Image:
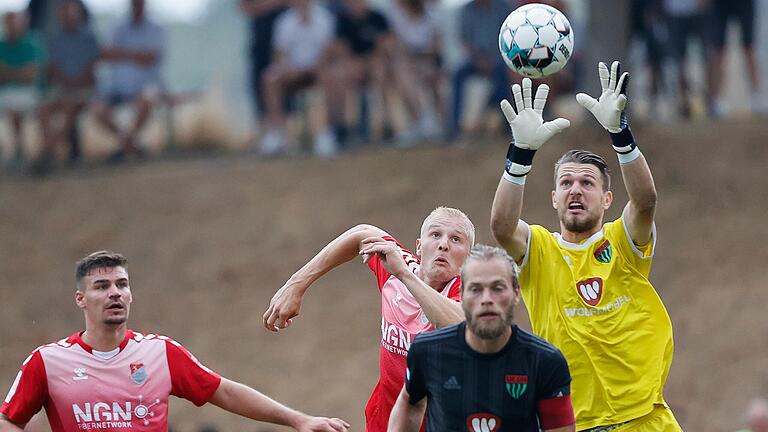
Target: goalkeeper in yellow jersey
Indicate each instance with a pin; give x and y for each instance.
(586, 288)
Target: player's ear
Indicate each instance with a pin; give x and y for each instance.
(554, 201)
(80, 298)
(418, 247)
(607, 199)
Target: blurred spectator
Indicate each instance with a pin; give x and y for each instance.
(73, 51)
(20, 58)
(302, 33)
(44, 21)
(688, 19)
(353, 60)
(480, 21)
(743, 11)
(263, 14)
(416, 67)
(757, 416)
(135, 57)
(649, 27)
(43, 16)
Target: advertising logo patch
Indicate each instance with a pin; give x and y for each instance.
(516, 385)
(590, 290)
(138, 373)
(483, 422)
(604, 253)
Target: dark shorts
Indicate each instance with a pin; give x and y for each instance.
(682, 29)
(743, 11)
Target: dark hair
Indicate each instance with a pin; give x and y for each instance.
(100, 259)
(482, 252)
(586, 157)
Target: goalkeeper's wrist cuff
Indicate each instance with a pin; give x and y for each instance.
(519, 161)
(624, 145)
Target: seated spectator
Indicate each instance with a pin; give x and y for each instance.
(20, 58)
(302, 33)
(353, 60)
(480, 21)
(262, 14)
(134, 57)
(743, 12)
(416, 67)
(73, 52)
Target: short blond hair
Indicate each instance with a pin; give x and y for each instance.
(469, 227)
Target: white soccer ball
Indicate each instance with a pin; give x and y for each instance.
(536, 40)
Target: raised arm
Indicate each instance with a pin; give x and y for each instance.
(609, 112)
(406, 417)
(529, 133)
(440, 310)
(286, 303)
(242, 400)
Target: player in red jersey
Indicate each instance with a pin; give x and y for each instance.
(419, 292)
(110, 378)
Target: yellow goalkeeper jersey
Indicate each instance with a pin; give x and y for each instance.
(593, 300)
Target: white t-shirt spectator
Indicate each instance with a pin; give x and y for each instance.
(416, 33)
(303, 42)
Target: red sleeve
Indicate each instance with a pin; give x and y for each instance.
(454, 292)
(189, 378)
(28, 392)
(378, 269)
(556, 412)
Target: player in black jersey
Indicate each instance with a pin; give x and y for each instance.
(485, 374)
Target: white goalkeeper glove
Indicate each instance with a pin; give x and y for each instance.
(529, 131)
(609, 110)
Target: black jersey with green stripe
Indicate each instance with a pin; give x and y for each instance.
(471, 391)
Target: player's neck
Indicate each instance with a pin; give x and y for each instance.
(487, 346)
(578, 237)
(104, 338)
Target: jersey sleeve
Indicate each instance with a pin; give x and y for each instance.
(29, 391)
(553, 399)
(382, 275)
(190, 379)
(415, 383)
(640, 256)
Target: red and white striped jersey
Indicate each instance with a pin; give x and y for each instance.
(81, 390)
(401, 320)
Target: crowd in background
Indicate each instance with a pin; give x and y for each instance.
(666, 29)
(366, 75)
(48, 60)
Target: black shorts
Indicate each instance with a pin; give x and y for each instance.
(743, 11)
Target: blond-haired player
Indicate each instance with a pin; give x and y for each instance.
(586, 288)
(419, 292)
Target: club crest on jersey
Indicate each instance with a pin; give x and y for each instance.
(590, 290)
(604, 253)
(516, 385)
(483, 422)
(138, 373)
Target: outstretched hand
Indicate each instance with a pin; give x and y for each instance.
(284, 306)
(609, 108)
(528, 127)
(323, 424)
(389, 253)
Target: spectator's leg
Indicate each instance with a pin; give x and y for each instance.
(70, 132)
(17, 122)
(46, 113)
(460, 77)
(143, 107)
(104, 116)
